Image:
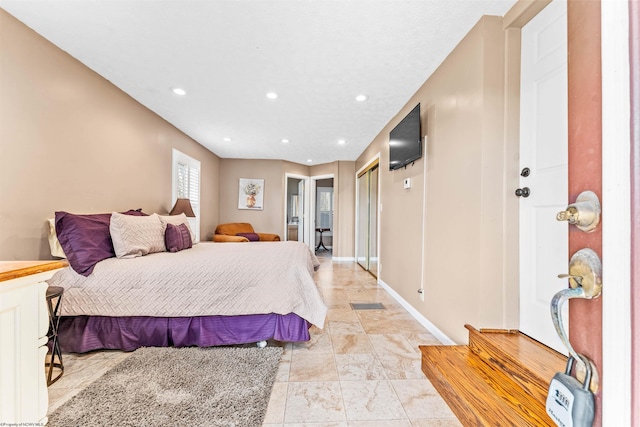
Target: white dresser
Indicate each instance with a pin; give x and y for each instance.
(24, 322)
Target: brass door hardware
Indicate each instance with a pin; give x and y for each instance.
(584, 213)
(585, 281)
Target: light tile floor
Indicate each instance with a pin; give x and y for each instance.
(361, 370)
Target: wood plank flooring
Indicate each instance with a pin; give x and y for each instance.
(500, 379)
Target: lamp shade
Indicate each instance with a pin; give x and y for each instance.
(182, 206)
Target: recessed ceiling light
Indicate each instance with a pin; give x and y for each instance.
(342, 141)
(179, 91)
(227, 139)
(272, 95)
(309, 160)
(361, 98)
(285, 141)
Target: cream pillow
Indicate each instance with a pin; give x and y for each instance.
(177, 220)
(54, 243)
(135, 236)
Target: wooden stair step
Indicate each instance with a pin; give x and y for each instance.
(528, 362)
(479, 394)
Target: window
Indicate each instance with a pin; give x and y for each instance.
(186, 185)
(324, 215)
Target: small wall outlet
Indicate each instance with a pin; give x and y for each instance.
(407, 183)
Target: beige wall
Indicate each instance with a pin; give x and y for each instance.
(70, 140)
(344, 185)
(271, 218)
(463, 260)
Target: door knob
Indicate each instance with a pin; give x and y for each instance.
(523, 192)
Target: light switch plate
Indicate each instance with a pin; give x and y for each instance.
(407, 183)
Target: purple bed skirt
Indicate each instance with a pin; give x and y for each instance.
(80, 334)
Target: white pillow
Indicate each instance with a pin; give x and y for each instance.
(54, 244)
(135, 236)
(177, 220)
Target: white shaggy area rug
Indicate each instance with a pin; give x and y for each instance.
(216, 386)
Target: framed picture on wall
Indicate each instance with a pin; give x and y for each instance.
(251, 194)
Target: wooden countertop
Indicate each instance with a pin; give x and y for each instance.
(15, 269)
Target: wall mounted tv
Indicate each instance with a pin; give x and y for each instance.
(405, 141)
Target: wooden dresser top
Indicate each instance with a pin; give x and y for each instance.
(15, 269)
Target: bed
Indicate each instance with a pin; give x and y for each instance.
(210, 294)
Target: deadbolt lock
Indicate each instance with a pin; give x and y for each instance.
(584, 213)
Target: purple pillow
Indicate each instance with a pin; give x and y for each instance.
(135, 212)
(177, 237)
(86, 239)
(253, 237)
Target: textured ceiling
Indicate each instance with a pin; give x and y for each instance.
(317, 55)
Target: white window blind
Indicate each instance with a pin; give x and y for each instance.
(186, 185)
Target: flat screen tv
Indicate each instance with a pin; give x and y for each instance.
(405, 141)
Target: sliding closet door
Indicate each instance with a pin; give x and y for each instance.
(363, 221)
(367, 227)
(373, 221)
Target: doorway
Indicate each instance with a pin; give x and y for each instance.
(296, 222)
(324, 207)
(367, 217)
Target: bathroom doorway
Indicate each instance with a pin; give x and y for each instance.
(296, 222)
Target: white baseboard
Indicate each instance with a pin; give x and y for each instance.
(342, 258)
(441, 336)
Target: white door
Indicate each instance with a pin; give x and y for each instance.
(543, 149)
(302, 221)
